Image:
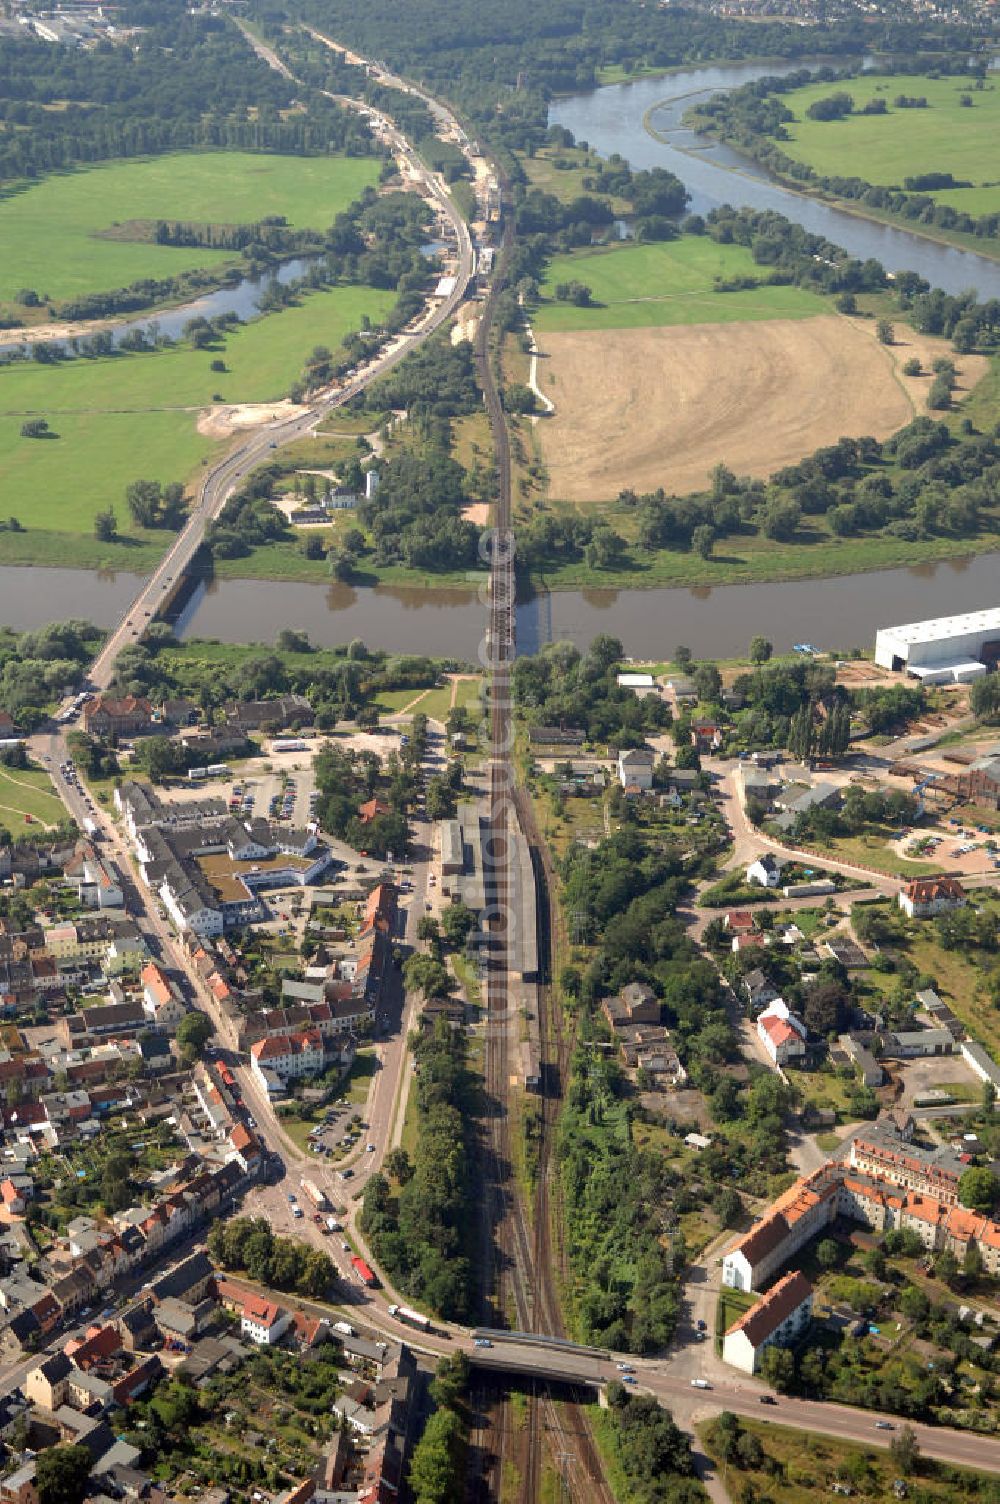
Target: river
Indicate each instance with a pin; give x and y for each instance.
(611, 120)
(837, 613)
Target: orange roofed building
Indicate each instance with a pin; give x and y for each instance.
(778, 1319)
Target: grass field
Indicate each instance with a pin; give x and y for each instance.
(885, 149)
(136, 415)
(52, 230)
(27, 791)
(641, 286)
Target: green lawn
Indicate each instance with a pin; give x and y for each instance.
(136, 415)
(885, 149)
(638, 286)
(27, 791)
(52, 230)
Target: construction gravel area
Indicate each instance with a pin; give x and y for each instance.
(642, 408)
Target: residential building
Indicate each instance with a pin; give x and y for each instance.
(765, 871)
(106, 716)
(95, 878)
(635, 769)
(781, 1033)
(262, 1321)
(269, 715)
(927, 896)
(287, 1057)
(779, 1319)
(161, 1000)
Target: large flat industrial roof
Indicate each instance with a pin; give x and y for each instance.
(947, 626)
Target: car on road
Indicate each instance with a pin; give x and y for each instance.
(370, 1148)
(701, 1325)
(700, 1384)
(291, 1199)
(768, 1399)
(625, 1368)
(482, 1342)
(884, 1425)
(628, 1379)
(346, 1247)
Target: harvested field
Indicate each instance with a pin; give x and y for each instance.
(643, 408)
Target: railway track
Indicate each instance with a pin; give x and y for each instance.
(521, 1262)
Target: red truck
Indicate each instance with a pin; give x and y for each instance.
(364, 1274)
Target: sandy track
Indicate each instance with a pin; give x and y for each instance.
(643, 408)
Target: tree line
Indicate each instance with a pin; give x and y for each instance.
(422, 1230)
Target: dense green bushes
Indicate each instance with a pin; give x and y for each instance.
(421, 1233)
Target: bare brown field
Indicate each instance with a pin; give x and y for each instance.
(643, 408)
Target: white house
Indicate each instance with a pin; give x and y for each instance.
(778, 1319)
(287, 1056)
(635, 769)
(781, 1033)
(765, 871)
(928, 896)
(263, 1322)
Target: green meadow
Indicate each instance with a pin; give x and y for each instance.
(885, 149)
(671, 282)
(136, 415)
(55, 237)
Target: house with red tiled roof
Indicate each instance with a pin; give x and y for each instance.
(246, 1149)
(263, 1321)
(927, 896)
(778, 1319)
(105, 715)
(160, 998)
(782, 1035)
(284, 1057)
(371, 809)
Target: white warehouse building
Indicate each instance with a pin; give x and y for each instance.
(947, 649)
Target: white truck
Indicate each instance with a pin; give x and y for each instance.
(316, 1196)
(344, 1328)
(412, 1318)
(90, 826)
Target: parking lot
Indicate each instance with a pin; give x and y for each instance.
(948, 1073)
(278, 787)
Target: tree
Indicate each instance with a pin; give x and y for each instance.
(437, 1460)
(397, 1164)
(905, 1450)
(703, 540)
(61, 1474)
(827, 1253)
(885, 332)
(194, 1031)
(760, 650)
(978, 1189)
(778, 1368)
(450, 1381)
(912, 367)
(683, 657)
(105, 525)
(36, 428)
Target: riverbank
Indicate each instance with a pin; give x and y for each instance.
(988, 249)
(949, 121)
